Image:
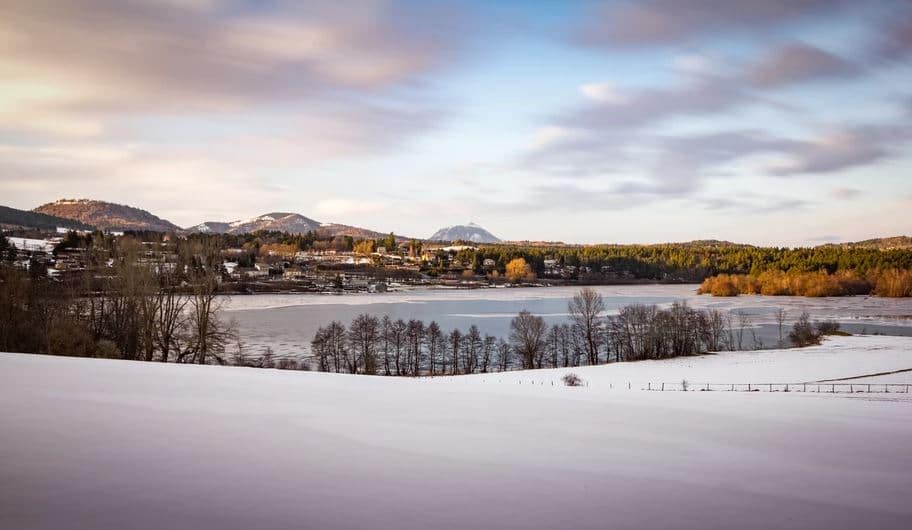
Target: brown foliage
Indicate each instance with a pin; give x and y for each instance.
(892, 283)
(518, 270)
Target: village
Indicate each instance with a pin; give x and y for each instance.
(275, 268)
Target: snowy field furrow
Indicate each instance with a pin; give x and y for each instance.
(114, 444)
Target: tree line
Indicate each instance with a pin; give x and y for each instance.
(889, 283)
(383, 346)
(127, 309)
(696, 261)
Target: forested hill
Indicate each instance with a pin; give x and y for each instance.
(698, 260)
(107, 215)
(11, 217)
(884, 243)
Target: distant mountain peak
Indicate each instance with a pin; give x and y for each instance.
(293, 223)
(467, 232)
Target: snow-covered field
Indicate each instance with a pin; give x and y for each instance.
(837, 359)
(114, 444)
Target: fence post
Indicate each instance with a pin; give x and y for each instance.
(663, 387)
(805, 387)
(649, 387)
(748, 387)
(771, 387)
(834, 388)
(869, 387)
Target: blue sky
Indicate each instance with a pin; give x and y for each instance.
(778, 122)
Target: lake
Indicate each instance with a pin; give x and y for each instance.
(287, 322)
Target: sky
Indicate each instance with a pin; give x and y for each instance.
(785, 122)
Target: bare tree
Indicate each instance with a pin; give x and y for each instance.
(415, 334)
(527, 335)
(472, 346)
(504, 355)
(398, 331)
(780, 321)
(488, 349)
(435, 345)
(585, 310)
(363, 335)
(455, 347)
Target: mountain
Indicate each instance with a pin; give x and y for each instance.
(292, 223)
(336, 229)
(106, 215)
(11, 217)
(470, 232)
(210, 227)
(883, 243)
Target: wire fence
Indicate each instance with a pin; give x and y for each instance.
(829, 388)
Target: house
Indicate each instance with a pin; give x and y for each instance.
(294, 273)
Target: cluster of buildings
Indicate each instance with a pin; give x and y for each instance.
(263, 269)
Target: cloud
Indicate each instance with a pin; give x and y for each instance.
(894, 41)
(81, 69)
(339, 208)
(113, 98)
(603, 93)
(845, 193)
(650, 105)
(667, 22)
(756, 204)
(837, 150)
(798, 62)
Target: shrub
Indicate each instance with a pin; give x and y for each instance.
(572, 379)
(804, 333)
(828, 327)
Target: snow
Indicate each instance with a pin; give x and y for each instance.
(837, 359)
(27, 244)
(104, 444)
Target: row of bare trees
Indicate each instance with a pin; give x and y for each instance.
(384, 346)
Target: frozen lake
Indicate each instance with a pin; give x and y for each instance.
(287, 322)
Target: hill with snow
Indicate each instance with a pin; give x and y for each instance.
(470, 232)
(293, 223)
(151, 445)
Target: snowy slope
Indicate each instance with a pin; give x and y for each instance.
(114, 444)
(836, 359)
(470, 232)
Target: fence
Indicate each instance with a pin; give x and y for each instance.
(829, 388)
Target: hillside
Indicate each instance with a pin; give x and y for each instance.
(14, 218)
(882, 243)
(106, 215)
(292, 223)
(470, 232)
(336, 229)
(394, 453)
